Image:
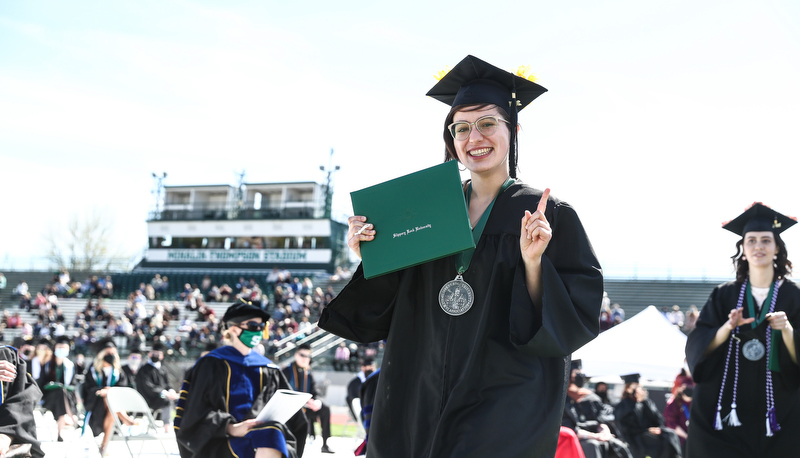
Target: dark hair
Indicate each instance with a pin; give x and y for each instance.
(449, 145)
(304, 346)
(782, 265)
(629, 393)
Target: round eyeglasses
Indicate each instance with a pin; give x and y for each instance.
(486, 125)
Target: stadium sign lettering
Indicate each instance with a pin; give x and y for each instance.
(212, 255)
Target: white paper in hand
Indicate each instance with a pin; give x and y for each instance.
(282, 405)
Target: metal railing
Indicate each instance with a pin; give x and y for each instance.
(219, 212)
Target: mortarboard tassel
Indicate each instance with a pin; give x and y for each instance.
(718, 420)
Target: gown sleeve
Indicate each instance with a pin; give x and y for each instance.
(362, 311)
(202, 417)
(712, 316)
(572, 291)
(18, 400)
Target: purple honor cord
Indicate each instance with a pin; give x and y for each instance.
(732, 418)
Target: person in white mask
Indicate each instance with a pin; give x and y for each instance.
(56, 379)
(152, 382)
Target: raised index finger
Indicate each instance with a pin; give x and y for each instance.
(543, 201)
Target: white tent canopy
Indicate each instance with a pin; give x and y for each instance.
(647, 344)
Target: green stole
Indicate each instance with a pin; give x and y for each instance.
(465, 257)
(773, 363)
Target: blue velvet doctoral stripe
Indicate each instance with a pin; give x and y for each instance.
(262, 437)
(232, 355)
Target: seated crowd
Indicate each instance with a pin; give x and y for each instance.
(629, 427)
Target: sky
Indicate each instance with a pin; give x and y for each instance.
(663, 119)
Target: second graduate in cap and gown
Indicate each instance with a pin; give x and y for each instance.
(489, 380)
(743, 353)
(227, 388)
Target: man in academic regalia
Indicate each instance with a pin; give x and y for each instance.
(224, 392)
(18, 398)
(152, 382)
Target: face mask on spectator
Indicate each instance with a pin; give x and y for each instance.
(61, 352)
(134, 363)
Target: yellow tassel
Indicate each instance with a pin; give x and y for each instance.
(524, 71)
(442, 73)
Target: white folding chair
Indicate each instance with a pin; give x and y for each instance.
(123, 399)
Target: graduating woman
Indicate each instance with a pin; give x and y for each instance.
(743, 353)
(56, 379)
(488, 378)
(227, 388)
(103, 374)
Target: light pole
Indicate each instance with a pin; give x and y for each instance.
(328, 188)
(159, 191)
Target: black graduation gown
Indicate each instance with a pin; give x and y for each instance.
(150, 382)
(589, 414)
(58, 392)
(450, 385)
(353, 389)
(131, 375)
(750, 439)
(203, 413)
(94, 403)
(17, 403)
(635, 418)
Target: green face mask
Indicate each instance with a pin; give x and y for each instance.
(250, 338)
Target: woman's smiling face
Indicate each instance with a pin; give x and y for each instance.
(760, 248)
(479, 153)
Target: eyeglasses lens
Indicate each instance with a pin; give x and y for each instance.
(304, 355)
(486, 126)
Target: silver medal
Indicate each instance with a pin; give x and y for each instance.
(456, 297)
(753, 350)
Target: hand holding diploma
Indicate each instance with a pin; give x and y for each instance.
(359, 230)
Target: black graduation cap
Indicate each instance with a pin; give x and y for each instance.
(159, 346)
(759, 218)
(630, 378)
(46, 340)
(575, 364)
(243, 310)
(473, 81)
(105, 342)
(63, 340)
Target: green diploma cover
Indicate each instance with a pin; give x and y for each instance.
(417, 218)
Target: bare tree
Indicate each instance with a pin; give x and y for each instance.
(87, 244)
